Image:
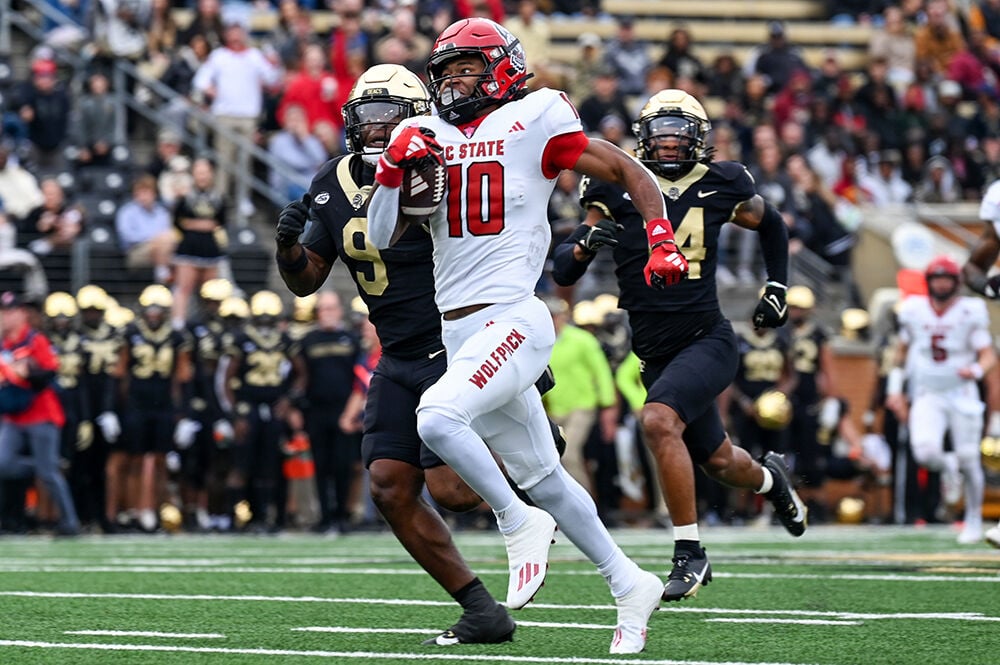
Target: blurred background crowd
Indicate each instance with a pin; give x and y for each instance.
(122, 117)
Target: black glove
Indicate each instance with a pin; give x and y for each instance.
(603, 233)
(292, 221)
(771, 311)
(992, 288)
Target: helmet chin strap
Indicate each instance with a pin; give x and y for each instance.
(370, 158)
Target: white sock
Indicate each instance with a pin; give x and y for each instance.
(620, 572)
(512, 516)
(975, 485)
(686, 532)
(768, 483)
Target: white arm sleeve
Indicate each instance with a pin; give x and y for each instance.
(383, 209)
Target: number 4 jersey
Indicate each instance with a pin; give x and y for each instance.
(491, 235)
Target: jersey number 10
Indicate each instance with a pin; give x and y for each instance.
(483, 209)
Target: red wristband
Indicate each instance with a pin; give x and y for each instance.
(659, 231)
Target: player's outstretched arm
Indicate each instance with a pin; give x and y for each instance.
(982, 257)
(303, 270)
(573, 255)
(606, 161)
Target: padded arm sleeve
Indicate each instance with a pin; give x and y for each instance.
(774, 244)
(382, 215)
(566, 269)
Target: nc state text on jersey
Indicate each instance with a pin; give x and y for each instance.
(474, 150)
(497, 358)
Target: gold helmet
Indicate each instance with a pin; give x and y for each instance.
(851, 510)
(266, 304)
(359, 306)
(801, 297)
(60, 303)
(234, 307)
(854, 323)
(170, 518)
(156, 295)
(118, 316)
(304, 308)
(585, 313)
(606, 303)
(772, 410)
(990, 449)
(381, 97)
(216, 290)
(672, 113)
(92, 296)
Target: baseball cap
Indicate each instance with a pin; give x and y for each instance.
(10, 300)
(776, 29)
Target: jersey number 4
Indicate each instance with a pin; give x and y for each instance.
(483, 206)
(690, 238)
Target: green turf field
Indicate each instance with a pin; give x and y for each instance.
(837, 596)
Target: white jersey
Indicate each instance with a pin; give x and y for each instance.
(940, 344)
(492, 234)
(989, 208)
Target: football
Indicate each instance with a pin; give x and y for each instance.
(422, 190)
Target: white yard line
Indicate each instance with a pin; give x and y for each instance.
(934, 616)
(147, 633)
(802, 622)
(367, 655)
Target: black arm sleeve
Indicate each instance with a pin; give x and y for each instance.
(566, 269)
(109, 400)
(774, 244)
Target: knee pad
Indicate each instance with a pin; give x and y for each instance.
(435, 423)
(927, 453)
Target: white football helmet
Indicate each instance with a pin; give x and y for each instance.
(672, 114)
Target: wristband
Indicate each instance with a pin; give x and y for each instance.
(658, 232)
(388, 174)
(292, 267)
(894, 384)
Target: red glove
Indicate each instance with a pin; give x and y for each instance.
(666, 265)
(412, 145)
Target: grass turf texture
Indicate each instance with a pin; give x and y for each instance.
(837, 596)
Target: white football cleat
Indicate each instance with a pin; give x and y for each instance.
(992, 536)
(971, 534)
(634, 610)
(528, 557)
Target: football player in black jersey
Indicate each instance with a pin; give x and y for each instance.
(154, 364)
(398, 288)
(687, 347)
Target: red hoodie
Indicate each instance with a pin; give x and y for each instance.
(46, 407)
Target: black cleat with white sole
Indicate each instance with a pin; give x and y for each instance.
(787, 504)
(480, 628)
(691, 572)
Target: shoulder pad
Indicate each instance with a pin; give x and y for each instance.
(730, 170)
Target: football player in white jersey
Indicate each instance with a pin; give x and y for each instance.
(976, 271)
(503, 149)
(945, 348)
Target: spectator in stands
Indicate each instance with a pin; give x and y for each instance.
(605, 99)
(95, 122)
(298, 150)
(938, 184)
(403, 37)
(119, 29)
(776, 61)
(175, 181)
(293, 34)
(53, 225)
(350, 45)
(914, 158)
(894, 42)
(976, 67)
(207, 22)
(724, 79)
(317, 92)
(162, 38)
(585, 66)
(793, 102)
(19, 190)
(984, 16)
(986, 121)
(44, 106)
(491, 9)
(885, 184)
(201, 218)
(628, 58)
(531, 28)
(679, 59)
(30, 363)
(145, 231)
(179, 76)
(233, 79)
(21, 261)
(848, 187)
(939, 39)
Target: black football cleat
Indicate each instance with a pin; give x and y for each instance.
(787, 505)
(485, 628)
(690, 573)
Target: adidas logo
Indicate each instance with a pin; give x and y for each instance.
(657, 230)
(516, 127)
(526, 573)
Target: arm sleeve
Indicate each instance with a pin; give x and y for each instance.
(382, 215)
(562, 152)
(566, 269)
(774, 244)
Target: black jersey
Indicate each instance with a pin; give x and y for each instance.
(762, 361)
(330, 356)
(206, 338)
(201, 205)
(807, 343)
(69, 347)
(100, 358)
(152, 362)
(265, 364)
(697, 206)
(397, 284)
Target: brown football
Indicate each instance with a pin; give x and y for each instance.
(422, 190)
